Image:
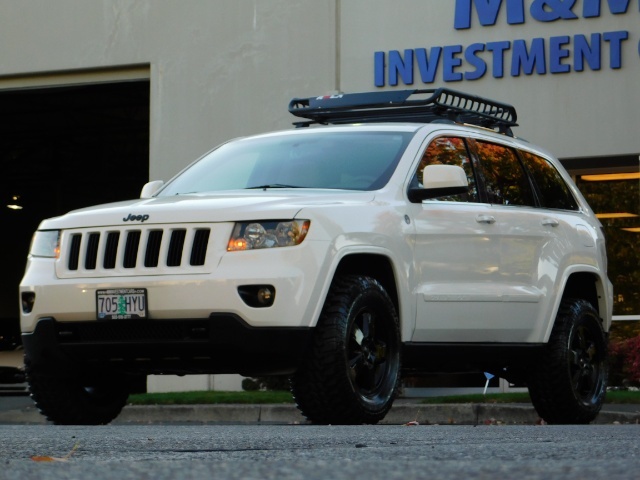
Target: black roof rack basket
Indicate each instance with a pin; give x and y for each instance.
(423, 106)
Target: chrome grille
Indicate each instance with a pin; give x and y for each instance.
(134, 251)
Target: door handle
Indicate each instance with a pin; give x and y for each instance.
(550, 222)
(489, 219)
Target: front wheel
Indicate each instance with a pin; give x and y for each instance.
(569, 383)
(351, 373)
(68, 401)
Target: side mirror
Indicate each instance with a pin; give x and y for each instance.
(440, 181)
(151, 188)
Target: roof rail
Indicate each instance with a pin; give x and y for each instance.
(439, 105)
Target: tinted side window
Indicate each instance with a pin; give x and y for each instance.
(450, 151)
(505, 180)
(554, 192)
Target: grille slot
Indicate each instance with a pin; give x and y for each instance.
(199, 250)
(111, 250)
(153, 248)
(74, 251)
(174, 256)
(134, 252)
(91, 258)
(131, 249)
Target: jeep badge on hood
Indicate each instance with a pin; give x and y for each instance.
(136, 218)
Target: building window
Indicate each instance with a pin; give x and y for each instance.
(616, 200)
(615, 197)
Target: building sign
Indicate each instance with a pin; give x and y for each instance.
(541, 56)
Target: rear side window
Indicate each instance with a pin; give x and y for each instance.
(504, 178)
(450, 151)
(553, 191)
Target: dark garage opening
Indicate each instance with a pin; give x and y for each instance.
(64, 148)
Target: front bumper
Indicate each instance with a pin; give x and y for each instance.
(292, 272)
(222, 343)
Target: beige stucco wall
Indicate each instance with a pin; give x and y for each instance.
(226, 68)
(589, 113)
(218, 69)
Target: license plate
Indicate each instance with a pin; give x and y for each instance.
(121, 303)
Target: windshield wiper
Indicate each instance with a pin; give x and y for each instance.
(271, 185)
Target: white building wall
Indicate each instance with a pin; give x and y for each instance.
(194, 383)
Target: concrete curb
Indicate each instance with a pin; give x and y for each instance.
(400, 414)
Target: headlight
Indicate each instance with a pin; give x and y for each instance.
(45, 243)
(267, 234)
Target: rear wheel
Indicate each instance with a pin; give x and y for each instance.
(351, 373)
(569, 383)
(68, 401)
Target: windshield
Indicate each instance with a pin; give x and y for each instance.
(338, 160)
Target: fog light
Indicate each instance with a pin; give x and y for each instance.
(257, 296)
(265, 296)
(28, 299)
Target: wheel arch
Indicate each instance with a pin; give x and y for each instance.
(374, 265)
(589, 286)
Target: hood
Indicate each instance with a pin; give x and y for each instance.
(206, 208)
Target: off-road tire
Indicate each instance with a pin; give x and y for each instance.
(65, 401)
(351, 373)
(569, 383)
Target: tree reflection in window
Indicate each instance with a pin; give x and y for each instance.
(504, 178)
(553, 191)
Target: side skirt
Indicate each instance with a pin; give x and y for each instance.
(509, 361)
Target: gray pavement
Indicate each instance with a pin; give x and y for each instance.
(21, 410)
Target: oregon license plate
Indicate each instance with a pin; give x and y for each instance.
(121, 303)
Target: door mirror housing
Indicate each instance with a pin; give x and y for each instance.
(150, 188)
(440, 181)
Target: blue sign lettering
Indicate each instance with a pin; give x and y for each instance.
(552, 10)
(428, 64)
(554, 55)
(592, 8)
(498, 49)
(585, 50)
(615, 40)
(472, 57)
(559, 54)
(402, 66)
(379, 69)
(487, 12)
(540, 10)
(525, 60)
(451, 62)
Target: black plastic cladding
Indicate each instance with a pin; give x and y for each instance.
(442, 104)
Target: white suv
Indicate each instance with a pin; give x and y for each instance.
(412, 235)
